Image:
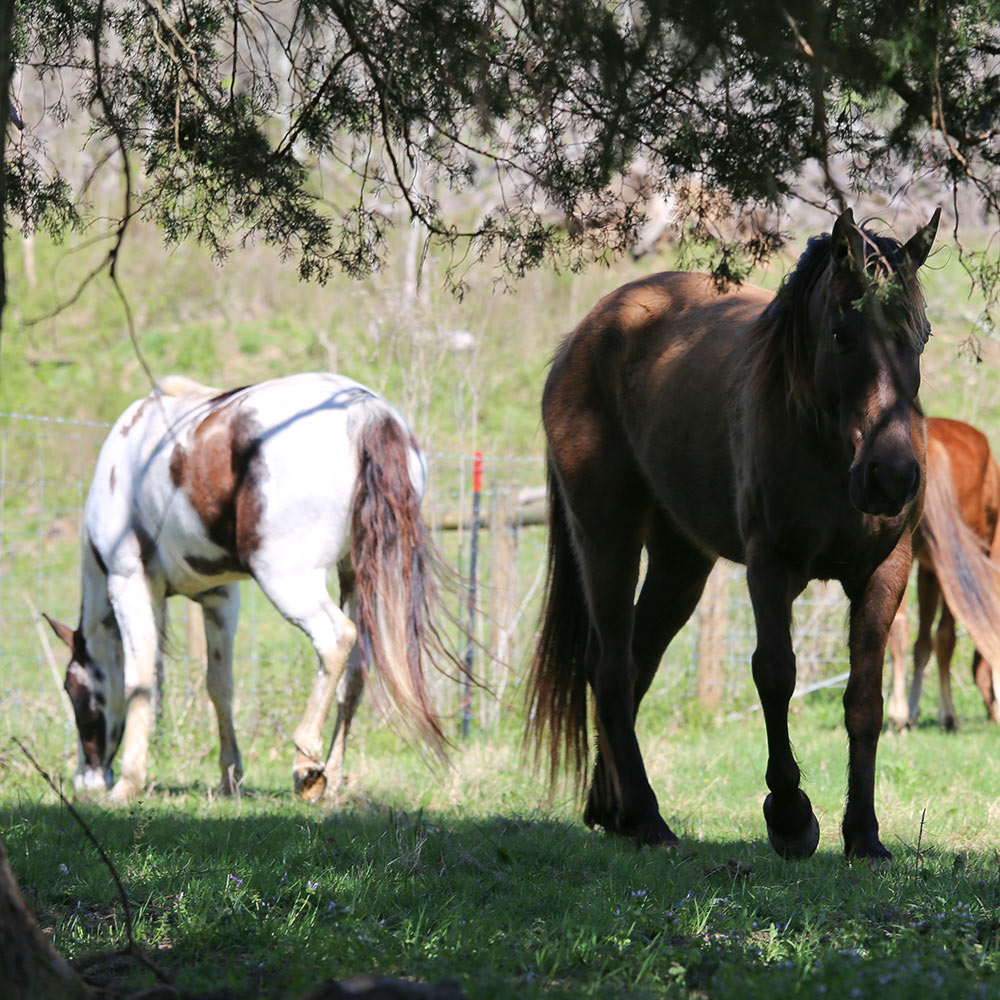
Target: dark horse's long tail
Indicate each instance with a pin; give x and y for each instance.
(395, 577)
(969, 580)
(557, 682)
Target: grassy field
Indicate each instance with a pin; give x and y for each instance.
(471, 873)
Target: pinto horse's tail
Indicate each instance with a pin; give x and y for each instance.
(396, 575)
(970, 581)
(557, 681)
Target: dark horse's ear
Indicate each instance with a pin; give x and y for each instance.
(63, 631)
(919, 245)
(846, 245)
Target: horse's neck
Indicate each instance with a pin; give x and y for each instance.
(95, 606)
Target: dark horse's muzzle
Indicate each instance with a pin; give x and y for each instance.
(884, 486)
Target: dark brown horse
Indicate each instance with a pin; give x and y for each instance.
(957, 549)
(783, 432)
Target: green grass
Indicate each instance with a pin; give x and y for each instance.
(473, 874)
(470, 873)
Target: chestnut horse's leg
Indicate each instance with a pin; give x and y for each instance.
(899, 641)
(985, 677)
(873, 606)
(928, 599)
(944, 649)
(791, 824)
(675, 578)
(221, 610)
(991, 671)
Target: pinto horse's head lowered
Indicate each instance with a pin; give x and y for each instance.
(98, 701)
(854, 327)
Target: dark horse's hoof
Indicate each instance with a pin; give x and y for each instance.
(878, 862)
(655, 834)
(793, 847)
(866, 847)
(665, 841)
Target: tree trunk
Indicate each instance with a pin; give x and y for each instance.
(29, 966)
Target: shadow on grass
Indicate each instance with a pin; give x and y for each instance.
(266, 896)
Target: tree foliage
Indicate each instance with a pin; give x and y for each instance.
(505, 128)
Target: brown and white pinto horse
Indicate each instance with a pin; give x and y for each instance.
(195, 489)
(957, 549)
(783, 432)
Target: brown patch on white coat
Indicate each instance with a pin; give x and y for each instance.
(221, 473)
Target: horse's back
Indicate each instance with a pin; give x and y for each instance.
(654, 333)
(645, 379)
(226, 480)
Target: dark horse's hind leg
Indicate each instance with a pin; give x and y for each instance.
(791, 824)
(675, 579)
(610, 509)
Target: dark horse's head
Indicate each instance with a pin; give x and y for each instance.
(852, 328)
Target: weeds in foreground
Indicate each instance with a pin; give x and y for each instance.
(419, 877)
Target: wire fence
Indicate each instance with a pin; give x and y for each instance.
(45, 470)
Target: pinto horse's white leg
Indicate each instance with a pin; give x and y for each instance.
(221, 608)
(899, 641)
(305, 602)
(139, 614)
(349, 688)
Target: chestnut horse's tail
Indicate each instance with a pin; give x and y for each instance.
(970, 581)
(557, 682)
(395, 576)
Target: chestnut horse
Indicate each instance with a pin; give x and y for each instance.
(195, 489)
(779, 431)
(958, 571)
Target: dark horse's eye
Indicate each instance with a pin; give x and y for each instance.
(842, 338)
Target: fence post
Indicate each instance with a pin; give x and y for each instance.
(503, 598)
(477, 492)
(713, 613)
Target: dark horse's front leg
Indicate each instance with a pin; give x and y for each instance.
(791, 824)
(873, 607)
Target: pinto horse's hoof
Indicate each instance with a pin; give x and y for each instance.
(793, 847)
(310, 784)
(124, 792)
